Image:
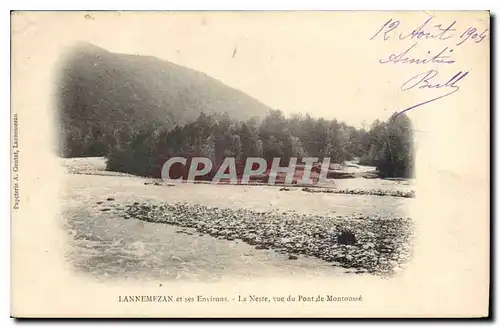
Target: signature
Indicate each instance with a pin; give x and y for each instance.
(450, 35)
(429, 80)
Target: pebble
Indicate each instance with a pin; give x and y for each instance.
(374, 192)
(380, 246)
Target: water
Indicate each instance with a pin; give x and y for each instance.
(106, 246)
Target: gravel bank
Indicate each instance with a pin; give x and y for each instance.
(376, 245)
(374, 192)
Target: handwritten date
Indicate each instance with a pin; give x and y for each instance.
(427, 31)
(435, 31)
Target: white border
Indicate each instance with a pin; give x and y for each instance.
(6, 6)
(248, 5)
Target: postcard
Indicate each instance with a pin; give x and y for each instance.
(229, 164)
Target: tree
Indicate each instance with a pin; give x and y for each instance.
(276, 137)
(390, 147)
(398, 148)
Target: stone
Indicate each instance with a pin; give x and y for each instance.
(346, 238)
(368, 245)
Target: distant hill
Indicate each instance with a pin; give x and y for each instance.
(104, 97)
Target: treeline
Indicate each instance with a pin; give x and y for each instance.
(387, 145)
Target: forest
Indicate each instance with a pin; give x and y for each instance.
(386, 145)
(138, 111)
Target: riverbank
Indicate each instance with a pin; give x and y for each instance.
(203, 231)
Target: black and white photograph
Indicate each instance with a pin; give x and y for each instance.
(252, 149)
(123, 116)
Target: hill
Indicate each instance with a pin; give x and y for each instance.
(104, 98)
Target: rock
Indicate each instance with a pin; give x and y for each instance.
(370, 175)
(176, 258)
(346, 241)
(110, 199)
(105, 209)
(368, 245)
(99, 203)
(346, 238)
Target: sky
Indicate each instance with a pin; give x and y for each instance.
(321, 63)
(312, 63)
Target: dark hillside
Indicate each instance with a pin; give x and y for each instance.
(105, 97)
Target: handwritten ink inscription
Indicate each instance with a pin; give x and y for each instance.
(429, 30)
